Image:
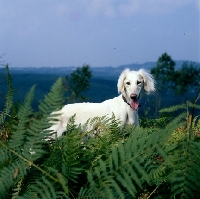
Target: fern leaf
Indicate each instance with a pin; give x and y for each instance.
(185, 176)
(54, 99)
(173, 108)
(43, 188)
(124, 168)
(25, 145)
(9, 97)
(15, 171)
(16, 189)
(18, 136)
(71, 152)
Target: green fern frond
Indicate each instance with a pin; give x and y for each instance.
(71, 152)
(5, 155)
(9, 97)
(26, 146)
(6, 116)
(173, 108)
(16, 147)
(18, 137)
(16, 190)
(54, 99)
(98, 140)
(9, 174)
(42, 189)
(65, 160)
(185, 177)
(197, 106)
(126, 168)
(182, 148)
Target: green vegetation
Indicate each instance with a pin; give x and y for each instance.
(180, 80)
(158, 160)
(171, 83)
(77, 83)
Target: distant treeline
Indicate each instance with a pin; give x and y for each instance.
(176, 82)
(100, 90)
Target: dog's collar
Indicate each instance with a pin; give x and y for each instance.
(125, 100)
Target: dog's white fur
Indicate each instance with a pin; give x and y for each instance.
(129, 83)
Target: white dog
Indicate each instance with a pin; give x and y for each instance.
(124, 107)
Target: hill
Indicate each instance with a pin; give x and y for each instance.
(103, 82)
(105, 72)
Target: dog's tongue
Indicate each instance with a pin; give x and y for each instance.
(134, 104)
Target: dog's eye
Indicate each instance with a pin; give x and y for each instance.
(138, 82)
(128, 83)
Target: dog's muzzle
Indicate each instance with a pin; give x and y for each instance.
(133, 96)
(134, 102)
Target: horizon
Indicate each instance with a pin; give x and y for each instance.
(177, 62)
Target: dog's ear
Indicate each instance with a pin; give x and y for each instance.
(149, 83)
(122, 77)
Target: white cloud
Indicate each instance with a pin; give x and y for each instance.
(131, 7)
(110, 8)
(62, 8)
(101, 7)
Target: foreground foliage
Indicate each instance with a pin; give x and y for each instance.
(107, 161)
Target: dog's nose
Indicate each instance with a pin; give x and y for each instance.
(133, 96)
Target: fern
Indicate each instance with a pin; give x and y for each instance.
(16, 190)
(42, 188)
(15, 144)
(174, 108)
(71, 156)
(9, 98)
(26, 145)
(185, 177)
(65, 159)
(6, 117)
(126, 169)
(99, 134)
(19, 135)
(157, 156)
(102, 160)
(183, 147)
(53, 100)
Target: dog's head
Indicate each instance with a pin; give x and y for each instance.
(130, 83)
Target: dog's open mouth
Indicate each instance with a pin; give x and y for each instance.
(134, 103)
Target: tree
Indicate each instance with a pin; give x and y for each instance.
(164, 72)
(78, 83)
(178, 81)
(174, 82)
(186, 77)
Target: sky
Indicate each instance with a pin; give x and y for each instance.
(36, 33)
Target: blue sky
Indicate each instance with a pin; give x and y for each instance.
(97, 32)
